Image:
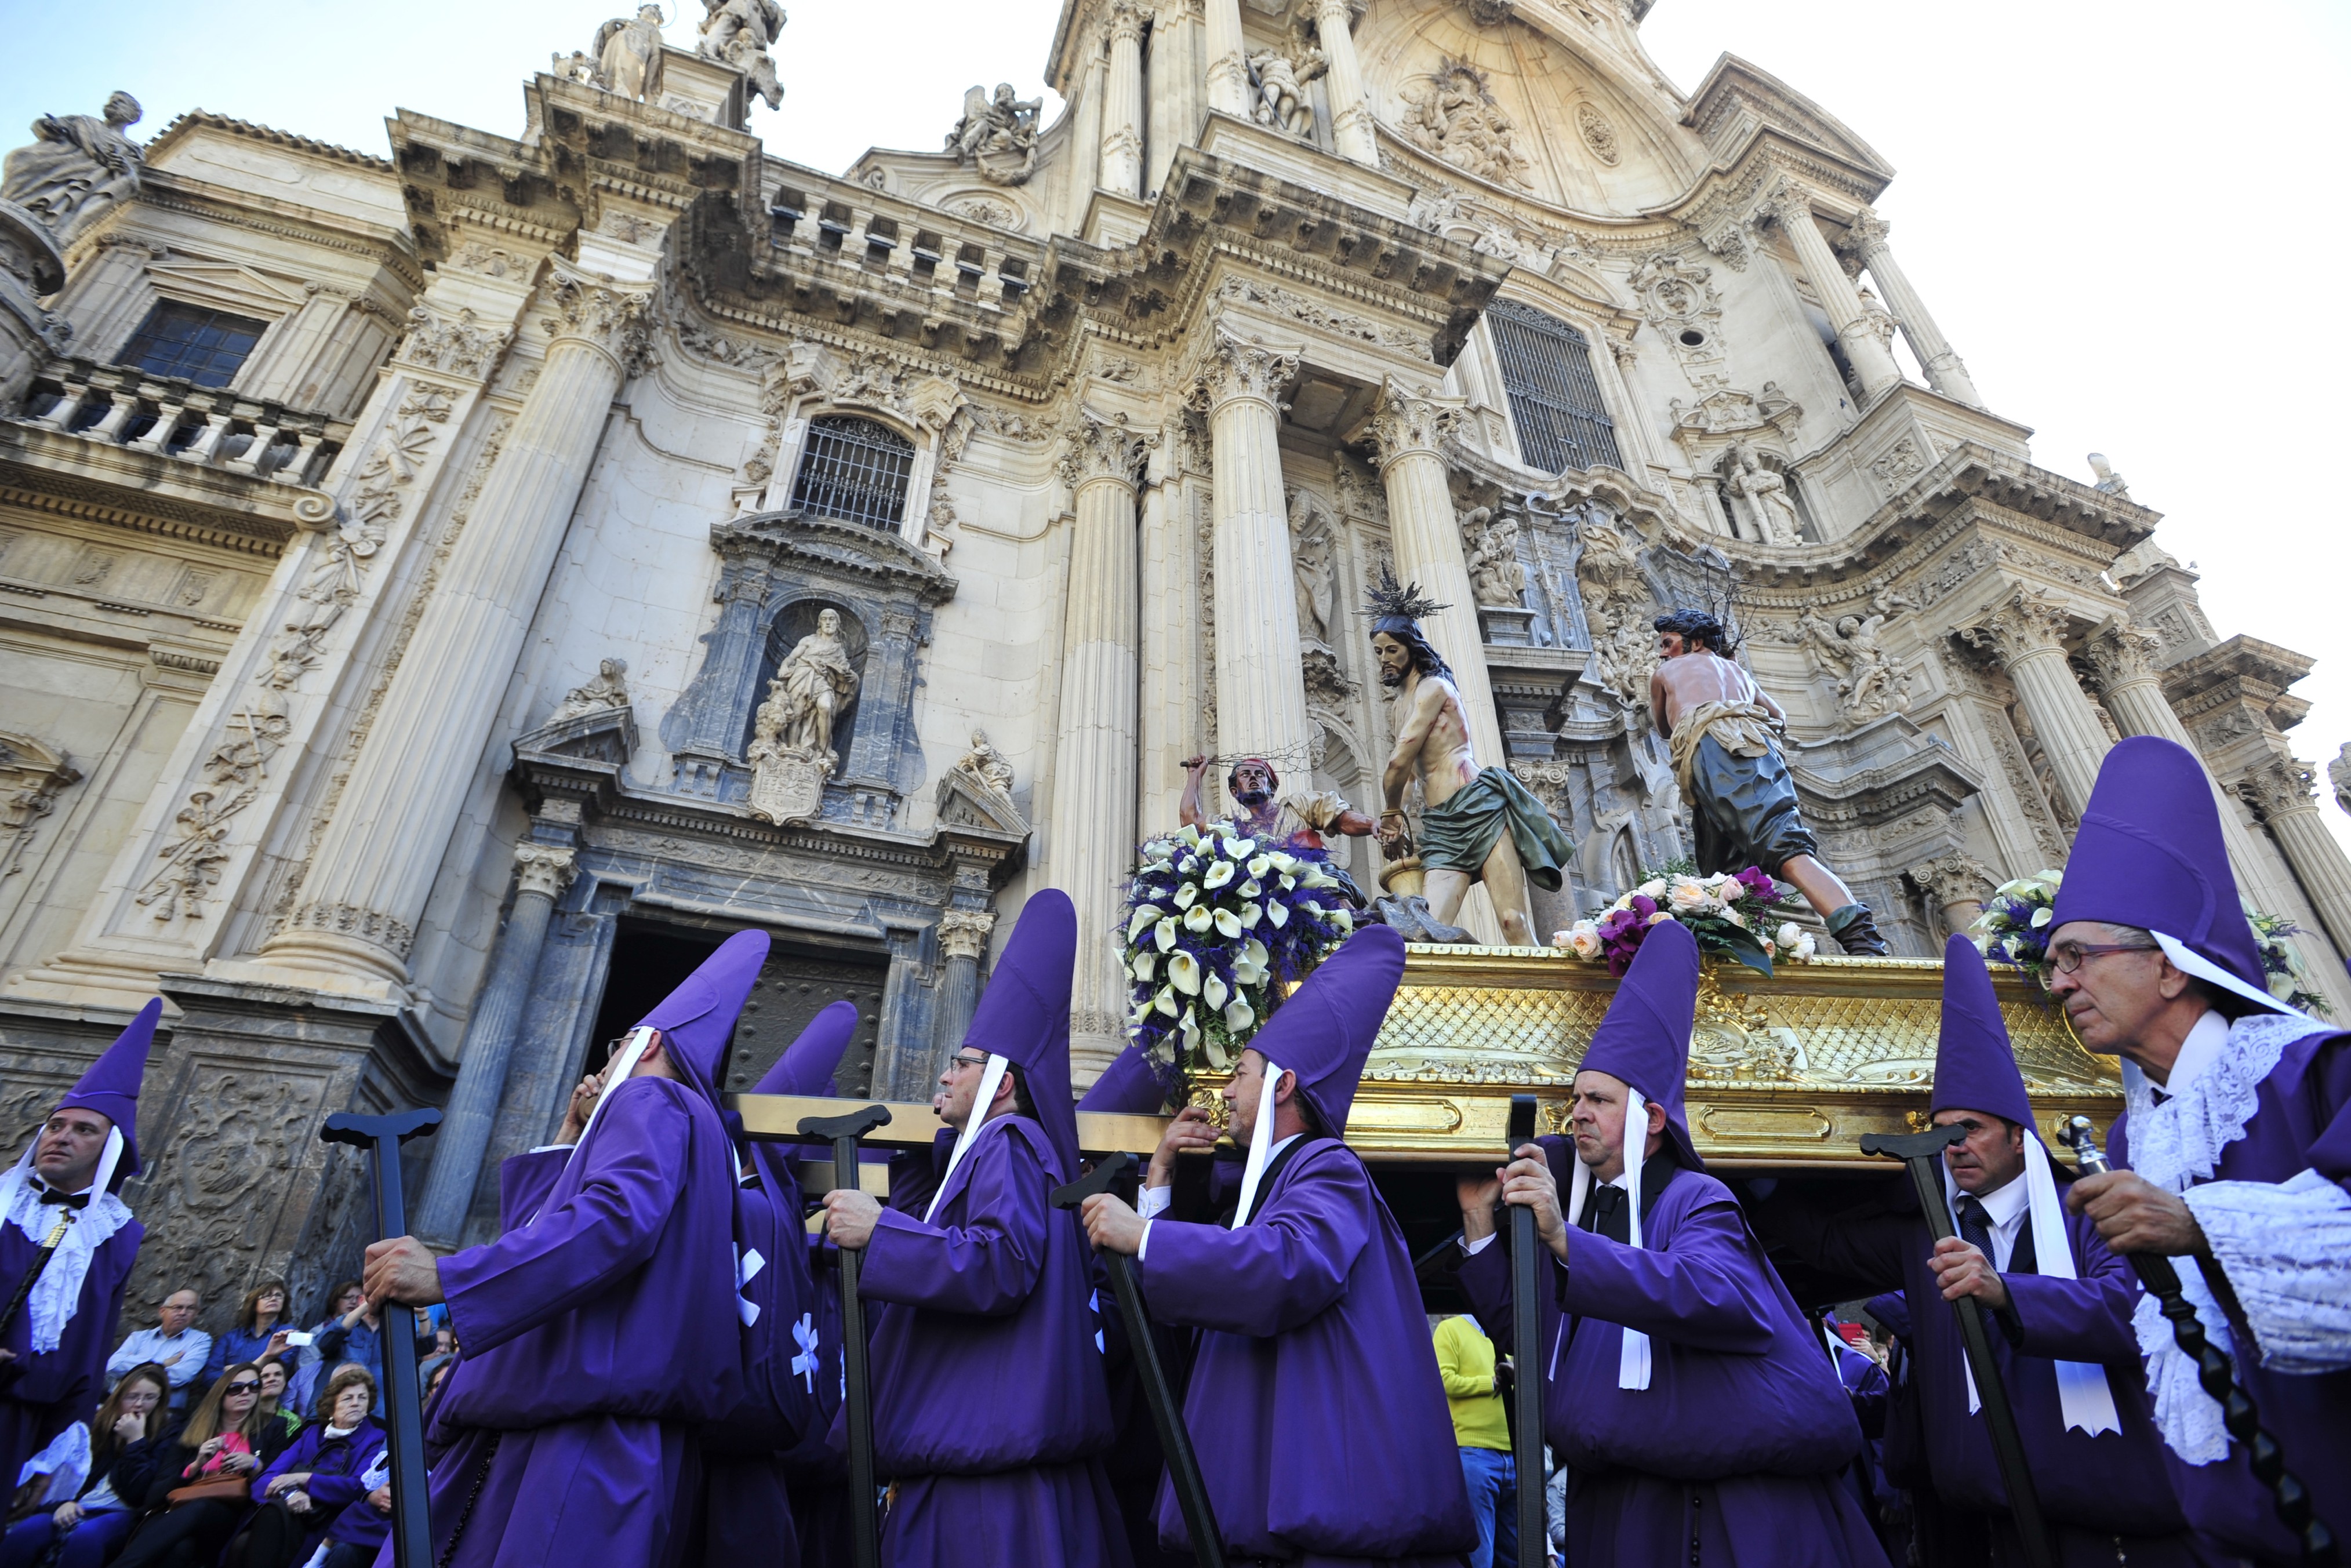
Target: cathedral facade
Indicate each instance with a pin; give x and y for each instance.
(443, 592)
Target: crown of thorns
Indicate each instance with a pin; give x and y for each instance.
(1389, 598)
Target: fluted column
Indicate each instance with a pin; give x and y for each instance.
(1944, 372)
(1090, 838)
(1260, 672)
(543, 871)
(1351, 111)
(375, 864)
(1228, 84)
(1792, 207)
(963, 941)
(2026, 633)
(1121, 133)
(2282, 791)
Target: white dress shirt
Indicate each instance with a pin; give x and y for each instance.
(1153, 1201)
(2005, 1207)
(1472, 1248)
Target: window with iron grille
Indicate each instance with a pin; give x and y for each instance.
(1554, 397)
(204, 346)
(854, 468)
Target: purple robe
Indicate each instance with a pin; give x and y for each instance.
(2099, 1495)
(595, 1340)
(2301, 1121)
(990, 1410)
(41, 1395)
(1733, 1452)
(1315, 1402)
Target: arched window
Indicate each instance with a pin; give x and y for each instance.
(1554, 397)
(854, 468)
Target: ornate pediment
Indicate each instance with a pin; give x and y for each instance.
(603, 734)
(967, 799)
(1727, 414)
(830, 545)
(1738, 99)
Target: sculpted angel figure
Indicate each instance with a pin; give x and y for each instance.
(1496, 579)
(1004, 126)
(77, 167)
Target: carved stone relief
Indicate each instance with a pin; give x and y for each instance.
(32, 775)
(1597, 133)
(1453, 113)
(1685, 311)
(997, 136)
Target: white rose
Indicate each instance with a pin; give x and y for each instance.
(1789, 933)
(1806, 948)
(1655, 888)
(1687, 893)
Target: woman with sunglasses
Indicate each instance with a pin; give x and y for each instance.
(227, 1437)
(127, 1445)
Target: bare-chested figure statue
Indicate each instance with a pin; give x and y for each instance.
(1725, 733)
(1477, 824)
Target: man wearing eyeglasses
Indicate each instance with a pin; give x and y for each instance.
(2236, 1133)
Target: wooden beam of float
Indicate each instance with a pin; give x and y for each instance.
(1788, 1071)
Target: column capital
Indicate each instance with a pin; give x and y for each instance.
(963, 933)
(1785, 202)
(1867, 232)
(1124, 25)
(1953, 879)
(453, 344)
(1101, 450)
(2122, 655)
(1407, 421)
(2278, 786)
(1231, 371)
(2019, 626)
(598, 310)
(544, 869)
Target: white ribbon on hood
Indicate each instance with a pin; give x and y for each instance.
(1632, 1360)
(49, 1306)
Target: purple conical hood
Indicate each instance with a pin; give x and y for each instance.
(111, 1087)
(1024, 1014)
(805, 1066)
(1326, 1029)
(1128, 1086)
(1645, 1039)
(697, 1020)
(1975, 1065)
(2149, 854)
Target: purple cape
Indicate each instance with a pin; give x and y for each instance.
(1315, 1401)
(41, 1395)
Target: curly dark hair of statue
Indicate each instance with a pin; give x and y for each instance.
(1697, 627)
(1422, 653)
(1395, 609)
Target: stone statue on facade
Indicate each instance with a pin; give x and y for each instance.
(1496, 579)
(1869, 682)
(1453, 115)
(1282, 100)
(1617, 605)
(987, 764)
(2338, 774)
(997, 136)
(610, 689)
(1767, 497)
(740, 33)
(78, 168)
(1311, 565)
(2109, 482)
(791, 752)
(627, 54)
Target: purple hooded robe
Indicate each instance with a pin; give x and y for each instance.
(1315, 1402)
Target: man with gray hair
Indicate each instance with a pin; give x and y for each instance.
(175, 1344)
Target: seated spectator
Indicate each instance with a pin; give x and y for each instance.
(360, 1532)
(273, 1401)
(126, 1444)
(259, 1335)
(226, 1440)
(175, 1344)
(317, 1478)
(310, 1364)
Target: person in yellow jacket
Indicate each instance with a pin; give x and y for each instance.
(1465, 1359)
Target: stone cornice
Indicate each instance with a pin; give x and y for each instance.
(2241, 670)
(46, 471)
(283, 140)
(165, 192)
(840, 549)
(1735, 83)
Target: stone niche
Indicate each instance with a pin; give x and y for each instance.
(779, 572)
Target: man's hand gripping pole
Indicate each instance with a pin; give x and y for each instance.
(864, 1536)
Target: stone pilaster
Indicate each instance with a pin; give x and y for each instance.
(2026, 633)
(1121, 132)
(1228, 83)
(374, 867)
(963, 942)
(542, 872)
(1260, 682)
(2283, 791)
(1792, 207)
(1090, 839)
(1351, 110)
(1945, 371)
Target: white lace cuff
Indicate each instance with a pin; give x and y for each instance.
(2286, 1248)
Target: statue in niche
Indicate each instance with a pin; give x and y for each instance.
(1497, 579)
(78, 167)
(610, 689)
(1766, 495)
(1282, 100)
(791, 752)
(997, 136)
(1311, 560)
(740, 33)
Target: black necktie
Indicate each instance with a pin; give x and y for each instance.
(76, 1201)
(1604, 1215)
(1975, 1226)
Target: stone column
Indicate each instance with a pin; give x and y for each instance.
(1944, 372)
(1228, 83)
(1121, 132)
(963, 942)
(375, 865)
(1261, 673)
(2282, 791)
(2026, 633)
(1956, 884)
(1350, 112)
(1792, 207)
(1090, 838)
(543, 871)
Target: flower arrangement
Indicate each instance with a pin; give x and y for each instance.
(1215, 922)
(1729, 912)
(2014, 927)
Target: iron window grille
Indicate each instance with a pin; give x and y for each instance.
(855, 469)
(1555, 400)
(187, 341)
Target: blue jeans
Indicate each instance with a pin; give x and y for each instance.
(87, 1543)
(1490, 1474)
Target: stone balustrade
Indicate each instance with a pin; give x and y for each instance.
(211, 427)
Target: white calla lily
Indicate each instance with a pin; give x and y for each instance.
(1249, 967)
(1229, 925)
(1165, 935)
(1197, 918)
(1165, 1002)
(1219, 874)
(1144, 965)
(1239, 1016)
(1145, 917)
(1278, 914)
(1184, 974)
(1250, 889)
(1250, 915)
(1215, 992)
(1259, 866)
(1186, 895)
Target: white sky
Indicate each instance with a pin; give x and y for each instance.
(2123, 212)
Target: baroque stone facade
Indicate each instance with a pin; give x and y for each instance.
(870, 549)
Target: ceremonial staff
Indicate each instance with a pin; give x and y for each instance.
(857, 1397)
(2215, 1372)
(1175, 1441)
(1526, 1343)
(411, 1514)
(1923, 1154)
